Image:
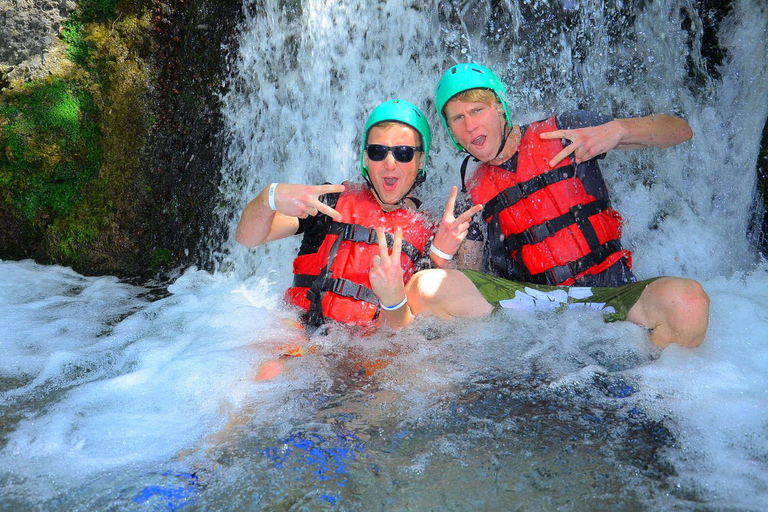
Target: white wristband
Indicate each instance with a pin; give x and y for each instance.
(271, 196)
(396, 306)
(438, 252)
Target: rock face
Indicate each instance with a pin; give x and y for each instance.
(109, 122)
(29, 32)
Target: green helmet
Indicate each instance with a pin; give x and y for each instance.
(463, 77)
(400, 111)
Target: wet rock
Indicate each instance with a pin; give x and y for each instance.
(29, 30)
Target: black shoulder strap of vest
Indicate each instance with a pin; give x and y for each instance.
(463, 172)
(515, 193)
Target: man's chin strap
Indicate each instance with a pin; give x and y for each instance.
(420, 178)
(505, 135)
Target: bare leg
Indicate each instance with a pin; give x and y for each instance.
(675, 309)
(446, 293)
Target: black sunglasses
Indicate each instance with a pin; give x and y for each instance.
(402, 154)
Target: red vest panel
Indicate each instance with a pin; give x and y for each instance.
(552, 227)
(349, 299)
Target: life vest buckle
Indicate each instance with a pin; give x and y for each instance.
(561, 274)
(346, 288)
(536, 234)
(357, 233)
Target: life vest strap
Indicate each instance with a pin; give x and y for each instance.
(558, 275)
(337, 285)
(578, 214)
(511, 195)
(361, 234)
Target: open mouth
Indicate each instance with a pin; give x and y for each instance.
(390, 183)
(478, 141)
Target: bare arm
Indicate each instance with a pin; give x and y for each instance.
(260, 224)
(470, 255)
(656, 130)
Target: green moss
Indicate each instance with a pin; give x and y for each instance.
(161, 257)
(97, 10)
(49, 148)
(78, 49)
(68, 237)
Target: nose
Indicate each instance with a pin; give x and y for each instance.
(469, 123)
(389, 161)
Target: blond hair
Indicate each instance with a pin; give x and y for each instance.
(486, 96)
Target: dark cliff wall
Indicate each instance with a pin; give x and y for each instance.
(109, 135)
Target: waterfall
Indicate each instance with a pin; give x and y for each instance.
(309, 72)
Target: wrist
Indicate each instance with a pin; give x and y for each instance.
(437, 252)
(271, 197)
(396, 306)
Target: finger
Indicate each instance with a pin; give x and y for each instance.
(462, 228)
(451, 204)
(467, 215)
(398, 244)
(322, 207)
(327, 189)
(564, 153)
(557, 134)
(375, 263)
(383, 249)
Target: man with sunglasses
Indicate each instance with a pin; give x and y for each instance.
(547, 218)
(344, 271)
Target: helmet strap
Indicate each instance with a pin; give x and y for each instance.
(504, 136)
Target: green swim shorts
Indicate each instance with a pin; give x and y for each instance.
(501, 293)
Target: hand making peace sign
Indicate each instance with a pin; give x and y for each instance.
(386, 274)
(453, 230)
(303, 201)
(586, 143)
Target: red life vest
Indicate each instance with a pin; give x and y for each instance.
(551, 228)
(333, 283)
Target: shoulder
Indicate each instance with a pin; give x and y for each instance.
(581, 119)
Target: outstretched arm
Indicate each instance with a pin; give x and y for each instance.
(259, 223)
(656, 130)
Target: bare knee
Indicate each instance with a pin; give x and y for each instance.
(686, 311)
(445, 293)
(691, 311)
(423, 289)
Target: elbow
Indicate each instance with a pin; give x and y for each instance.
(243, 240)
(687, 133)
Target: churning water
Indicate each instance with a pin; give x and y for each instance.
(115, 396)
